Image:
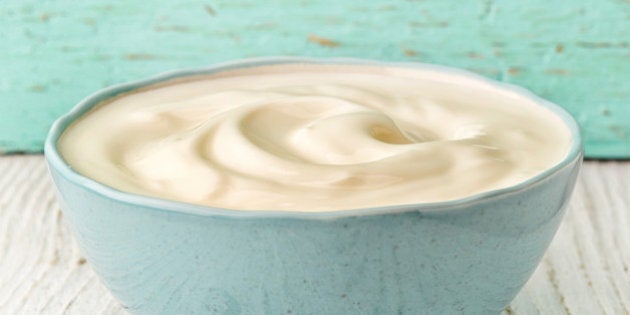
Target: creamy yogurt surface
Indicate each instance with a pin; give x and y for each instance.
(309, 137)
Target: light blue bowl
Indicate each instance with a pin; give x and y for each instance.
(469, 256)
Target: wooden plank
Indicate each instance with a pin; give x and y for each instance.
(55, 53)
(585, 271)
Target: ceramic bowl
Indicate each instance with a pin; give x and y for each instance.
(468, 256)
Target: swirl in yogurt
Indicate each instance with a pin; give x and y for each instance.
(306, 137)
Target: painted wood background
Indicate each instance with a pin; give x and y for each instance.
(585, 270)
(575, 53)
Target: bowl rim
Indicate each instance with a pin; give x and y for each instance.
(56, 162)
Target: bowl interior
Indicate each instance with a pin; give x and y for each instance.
(56, 161)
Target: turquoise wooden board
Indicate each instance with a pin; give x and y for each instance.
(574, 53)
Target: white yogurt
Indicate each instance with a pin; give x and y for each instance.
(303, 137)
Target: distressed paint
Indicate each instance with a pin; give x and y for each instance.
(575, 53)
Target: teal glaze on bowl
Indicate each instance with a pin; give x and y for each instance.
(468, 256)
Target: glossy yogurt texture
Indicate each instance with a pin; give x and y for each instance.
(308, 137)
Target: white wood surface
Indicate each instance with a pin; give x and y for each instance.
(585, 271)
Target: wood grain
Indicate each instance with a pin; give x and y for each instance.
(574, 53)
(585, 271)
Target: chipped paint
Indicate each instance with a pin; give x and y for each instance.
(514, 70)
(140, 56)
(559, 48)
(557, 71)
(209, 10)
(577, 56)
(410, 52)
(322, 41)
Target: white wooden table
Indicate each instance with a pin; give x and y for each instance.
(42, 271)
